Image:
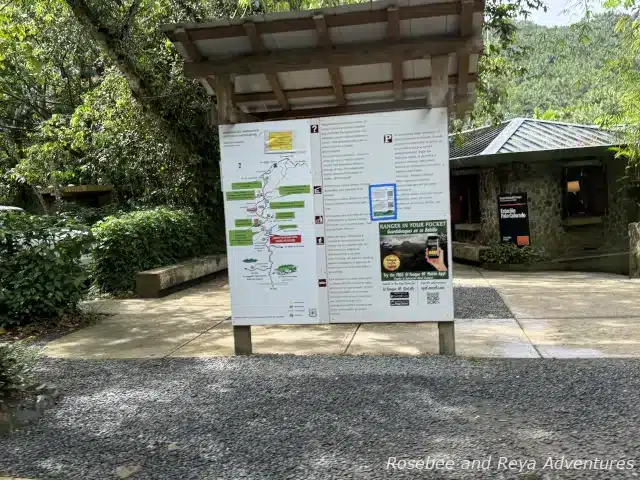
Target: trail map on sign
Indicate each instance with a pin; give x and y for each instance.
(269, 219)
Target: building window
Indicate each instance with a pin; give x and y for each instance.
(465, 199)
(585, 191)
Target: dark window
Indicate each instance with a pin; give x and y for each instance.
(585, 191)
(465, 199)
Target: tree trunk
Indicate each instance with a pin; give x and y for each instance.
(112, 45)
(109, 45)
(40, 199)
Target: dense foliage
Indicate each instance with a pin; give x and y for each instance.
(17, 362)
(625, 68)
(41, 275)
(142, 240)
(77, 213)
(560, 73)
(69, 112)
(508, 253)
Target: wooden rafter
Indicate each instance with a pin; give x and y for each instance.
(393, 34)
(209, 32)
(222, 87)
(334, 72)
(348, 89)
(344, 110)
(340, 56)
(466, 29)
(224, 96)
(191, 54)
(439, 90)
(258, 46)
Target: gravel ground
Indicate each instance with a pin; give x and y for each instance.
(278, 417)
(479, 302)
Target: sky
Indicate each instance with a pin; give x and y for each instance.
(563, 12)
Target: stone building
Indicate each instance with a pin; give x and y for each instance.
(576, 205)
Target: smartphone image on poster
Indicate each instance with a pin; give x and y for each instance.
(433, 245)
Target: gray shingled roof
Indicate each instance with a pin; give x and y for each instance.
(529, 135)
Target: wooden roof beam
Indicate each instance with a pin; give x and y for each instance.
(224, 95)
(333, 20)
(466, 29)
(352, 54)
(393, 33)
(334, 72)
(191, 54)
(258, 46)
(348, 89)
(344, 110)
(439, 90)
(222, 87)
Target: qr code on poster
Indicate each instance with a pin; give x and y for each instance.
(433, 298)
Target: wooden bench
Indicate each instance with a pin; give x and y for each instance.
(153, 283)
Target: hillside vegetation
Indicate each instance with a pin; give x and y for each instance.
(565, 71)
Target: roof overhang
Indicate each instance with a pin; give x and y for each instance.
(491, 160)
(529, 135)
(366, 57)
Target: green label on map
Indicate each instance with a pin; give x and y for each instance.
(244, 222)
(240, 238)
(287, 227)
(246, 185)
(281, 205)
(241, 195)
(293, 189)
(285, 215)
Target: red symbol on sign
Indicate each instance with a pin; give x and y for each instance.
(322, 282)
(279, 239)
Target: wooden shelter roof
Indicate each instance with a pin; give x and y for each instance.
(367, 57)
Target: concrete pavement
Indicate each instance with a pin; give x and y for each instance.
(556, 314)
(569, 314)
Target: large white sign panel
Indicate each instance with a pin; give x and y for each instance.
(340, 219)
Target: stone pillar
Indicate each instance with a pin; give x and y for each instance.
(634, 250)
(489, 188)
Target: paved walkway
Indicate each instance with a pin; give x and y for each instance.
(516, 315)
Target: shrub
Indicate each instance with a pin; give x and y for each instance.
(41, 275)
(507, 253)
(75, 212)
(146, 239)
(16, 367)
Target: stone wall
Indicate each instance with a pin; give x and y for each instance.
(543, 184)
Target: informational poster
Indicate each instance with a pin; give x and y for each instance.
(339, 219)
(513, 212)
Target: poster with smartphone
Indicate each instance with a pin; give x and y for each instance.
(414, 250)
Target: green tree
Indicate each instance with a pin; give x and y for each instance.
(46, 65)
(624, 68)
(556, 73)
